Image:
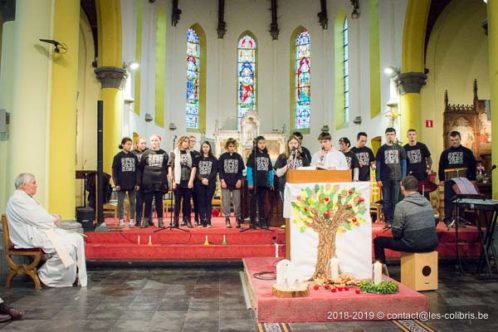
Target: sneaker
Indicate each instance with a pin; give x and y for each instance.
(132, 223)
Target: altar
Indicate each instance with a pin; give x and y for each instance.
(249, 130)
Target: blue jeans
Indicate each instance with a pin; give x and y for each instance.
(390, 195)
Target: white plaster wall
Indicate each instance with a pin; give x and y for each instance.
(273, 66)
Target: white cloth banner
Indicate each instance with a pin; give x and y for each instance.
(309, 204)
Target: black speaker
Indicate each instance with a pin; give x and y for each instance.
(85, 216)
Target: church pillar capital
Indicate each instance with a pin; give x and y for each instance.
(411, 82)
(111, 77)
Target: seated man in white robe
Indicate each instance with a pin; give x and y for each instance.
(31, 226)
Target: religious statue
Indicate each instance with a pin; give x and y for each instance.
(249, 128)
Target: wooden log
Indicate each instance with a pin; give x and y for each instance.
(298, 291)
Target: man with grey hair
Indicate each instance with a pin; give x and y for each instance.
(31, 226)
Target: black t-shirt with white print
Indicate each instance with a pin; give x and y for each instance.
(125, 170)
(207, 168)
(365, 157)
(416, 163)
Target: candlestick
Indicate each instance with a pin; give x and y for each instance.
(377, 275)
(334, 268)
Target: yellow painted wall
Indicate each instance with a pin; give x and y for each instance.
(457, 53)
(62, 160)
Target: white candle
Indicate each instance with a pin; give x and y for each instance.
(276, 250)
(334, 268)
(138, 240)
(377, 267)
(150, 240)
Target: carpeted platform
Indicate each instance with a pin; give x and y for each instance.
(156, 244)
(153, 244)
(322, 305)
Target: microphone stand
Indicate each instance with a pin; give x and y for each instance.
(171, 194)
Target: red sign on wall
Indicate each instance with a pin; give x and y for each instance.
(429, 123)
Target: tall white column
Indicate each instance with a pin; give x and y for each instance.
(29, 125)
(6, 75)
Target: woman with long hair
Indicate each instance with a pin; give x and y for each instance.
(205, 182)
(259, 180)
(293, 158)
(182, 173)
(154, 182)
(125, 177)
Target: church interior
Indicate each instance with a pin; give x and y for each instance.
(77, 76)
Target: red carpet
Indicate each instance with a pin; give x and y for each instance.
(174, 245)
(322, 305)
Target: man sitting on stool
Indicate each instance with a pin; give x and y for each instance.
(413, 226)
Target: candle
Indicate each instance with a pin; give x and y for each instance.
(138, 240)
(282, 270)
(150, 240)
(334, 268)
(276, 250)
(377, 275)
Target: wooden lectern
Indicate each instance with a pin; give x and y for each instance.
(312, 176)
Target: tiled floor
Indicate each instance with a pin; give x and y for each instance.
(202, 299)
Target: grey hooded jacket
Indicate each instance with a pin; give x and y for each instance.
(414, 223)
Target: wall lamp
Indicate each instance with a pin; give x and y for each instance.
(60, 48)
(392, 71)
(131, 66)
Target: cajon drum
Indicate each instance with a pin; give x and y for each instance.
(419, 271)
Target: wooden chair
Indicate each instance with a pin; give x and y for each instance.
(16, 268)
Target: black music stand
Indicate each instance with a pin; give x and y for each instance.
(171, 218)
(487, 240)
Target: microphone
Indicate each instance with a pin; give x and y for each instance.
(492, 168)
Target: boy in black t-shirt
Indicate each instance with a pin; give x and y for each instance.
(418, 158)
(365, 155)
(456, 156)
(390, 170)
(231, 166)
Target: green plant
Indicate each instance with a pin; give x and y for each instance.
(384, 287)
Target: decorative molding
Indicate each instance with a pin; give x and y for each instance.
(111, 77)
(411, 82)
(356, 9)
(274, 31)
(175, 13)
(221, 19)
(323, 17)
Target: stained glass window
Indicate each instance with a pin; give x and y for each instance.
(246, 73)
(303, 81)
(193, 71)
(345, 73)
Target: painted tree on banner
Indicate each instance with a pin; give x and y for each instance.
(328, 210)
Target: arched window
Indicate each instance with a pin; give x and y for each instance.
(345, 70)
(193, 73)
(246, 76)
(302, 88)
